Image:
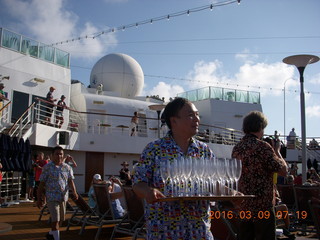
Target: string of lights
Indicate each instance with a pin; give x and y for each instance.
(148, 21)
(229, 84)
(217, 83)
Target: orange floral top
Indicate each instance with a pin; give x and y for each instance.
(259, 162)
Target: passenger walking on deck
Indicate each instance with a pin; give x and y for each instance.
(61, 105)
(39, 163)
(176, 219)
(55, 182)
(260, 161)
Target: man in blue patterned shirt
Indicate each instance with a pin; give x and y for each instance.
(173, 220)
(55, 181)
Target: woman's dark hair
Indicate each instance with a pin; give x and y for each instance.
(172, 109)
(254, 122)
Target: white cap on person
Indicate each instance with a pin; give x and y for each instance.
(97, 177)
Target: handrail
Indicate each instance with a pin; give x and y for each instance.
(79, 122)
(5, 106)
(20, 118)
(93, 113)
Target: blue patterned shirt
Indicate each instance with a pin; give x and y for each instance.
(56, 179)
(172, 220)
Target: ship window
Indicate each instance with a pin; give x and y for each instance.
(20, 103)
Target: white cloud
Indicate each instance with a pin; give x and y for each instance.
(246, 57)
(49, 22)
(206, 74)
(268, 79)
(313, 111)
(315, 79)
(165, 90)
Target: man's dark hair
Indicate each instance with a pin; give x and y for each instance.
(254, 122)
(57, 148)
(172, 109)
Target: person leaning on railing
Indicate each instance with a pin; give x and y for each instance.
(49, 105)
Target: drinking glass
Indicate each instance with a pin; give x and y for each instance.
(199, 170)
(232, 165)
(221, 164)
(228, 176)
(238, 169)
(187, 167)
(165, 175)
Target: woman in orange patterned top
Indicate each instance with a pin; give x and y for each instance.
(260, 161)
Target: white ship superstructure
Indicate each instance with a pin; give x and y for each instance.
(97, 126)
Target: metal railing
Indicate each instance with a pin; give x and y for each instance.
(23, 123)
(106, 123)
(4, 116)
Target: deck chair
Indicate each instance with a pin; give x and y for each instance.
(43, 212)
(133, 223)
(303, 194)
(221, 227)
(104, 207)
(83, 215)
(287, 195)
(315, 212)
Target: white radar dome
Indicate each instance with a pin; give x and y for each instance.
(119, 73)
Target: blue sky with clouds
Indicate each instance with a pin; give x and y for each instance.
(232, 46)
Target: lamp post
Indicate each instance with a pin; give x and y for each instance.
(158, 108)
(301, 61)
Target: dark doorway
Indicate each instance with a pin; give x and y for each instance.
(94, 164)
(20, 103)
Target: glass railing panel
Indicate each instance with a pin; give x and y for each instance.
(254, 97)
(46, 52)
(241, 96)
(29, 47)
(203, 93)
(10, 40)
(192, 95)
(229, 94)
(216, 93)
(62, 58)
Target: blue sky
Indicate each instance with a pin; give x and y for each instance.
(232, 46)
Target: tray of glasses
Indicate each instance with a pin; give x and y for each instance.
(209, 198)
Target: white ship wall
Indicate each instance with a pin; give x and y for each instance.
(22, 70)
(227, 114)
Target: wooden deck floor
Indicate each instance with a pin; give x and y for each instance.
(25, 226)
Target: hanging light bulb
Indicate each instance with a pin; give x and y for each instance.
(151, 21)
(168, 17)
(123, 28)
(137, 25)
(238, 2)
(188, 12)
(211, 7)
